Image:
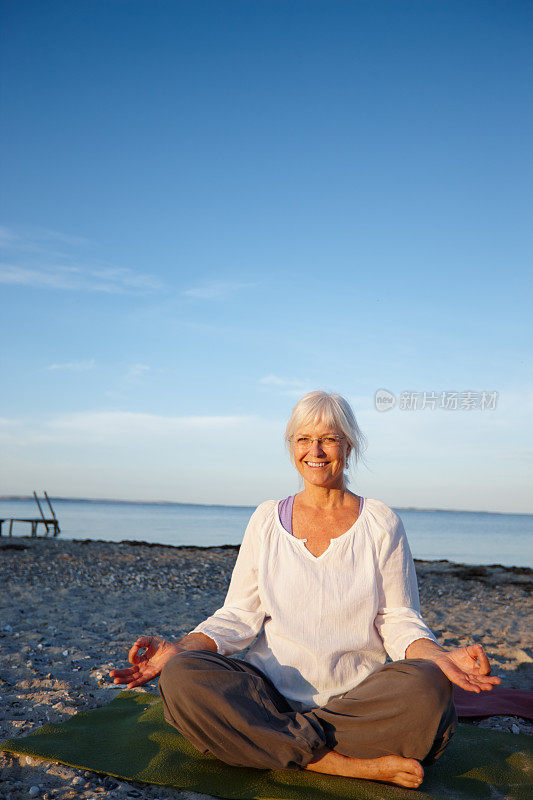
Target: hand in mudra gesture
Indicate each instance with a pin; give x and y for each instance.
(148, 656)
(467, 667)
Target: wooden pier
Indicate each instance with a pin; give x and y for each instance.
(51, 524)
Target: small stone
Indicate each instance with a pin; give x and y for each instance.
(77, 781)
(34, 791)
(515, 728)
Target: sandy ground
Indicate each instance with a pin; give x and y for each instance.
(69, 611)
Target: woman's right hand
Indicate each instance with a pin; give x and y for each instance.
(146, 665)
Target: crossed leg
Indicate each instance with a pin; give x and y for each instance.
(400, 715)
(227, 707)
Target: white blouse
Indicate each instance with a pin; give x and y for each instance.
(325, 622)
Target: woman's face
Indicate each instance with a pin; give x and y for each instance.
(320, 454)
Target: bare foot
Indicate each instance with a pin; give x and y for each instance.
(393, 769)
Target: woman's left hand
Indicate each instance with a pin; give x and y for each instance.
(468, 667)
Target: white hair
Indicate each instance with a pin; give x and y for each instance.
(332, 410)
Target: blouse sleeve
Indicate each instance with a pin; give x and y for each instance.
(398, 620)
(236, 624)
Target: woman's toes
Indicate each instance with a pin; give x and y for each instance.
(403, 779)
(407, 780)
(414, 766)
(410, 774)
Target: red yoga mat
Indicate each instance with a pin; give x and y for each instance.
(511, 702)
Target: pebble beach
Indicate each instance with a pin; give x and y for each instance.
(70, 610)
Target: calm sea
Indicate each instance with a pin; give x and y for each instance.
(460, 536)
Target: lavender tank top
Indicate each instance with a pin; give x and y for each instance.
(285, 513)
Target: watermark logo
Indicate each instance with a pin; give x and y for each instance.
(384, 400)
(437, 401)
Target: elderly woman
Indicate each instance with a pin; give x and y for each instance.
(323, 589)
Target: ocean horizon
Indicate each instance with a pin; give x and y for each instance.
(470, 537)
(119, 500)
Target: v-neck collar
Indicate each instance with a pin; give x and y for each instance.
(301, 542)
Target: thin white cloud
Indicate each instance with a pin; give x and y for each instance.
(7, 236)
(74, 366)
(47, 235)
(122, 421)
(289, 387)
(216, 290)
(48, 259)
(275, 380)
(12, 431)
(31, 239)
(136, 371)
(112, 280)
(124, 427)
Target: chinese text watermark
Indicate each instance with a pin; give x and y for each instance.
(434, 401)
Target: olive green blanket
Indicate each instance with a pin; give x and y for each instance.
(130, 739)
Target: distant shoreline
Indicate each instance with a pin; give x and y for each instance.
(116, 501)
(463, 569)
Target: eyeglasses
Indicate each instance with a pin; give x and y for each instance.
(326, 442)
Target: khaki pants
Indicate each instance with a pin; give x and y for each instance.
(227, 707)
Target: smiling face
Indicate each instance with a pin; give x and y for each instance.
(320, 463)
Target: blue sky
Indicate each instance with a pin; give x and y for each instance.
(210, 208)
